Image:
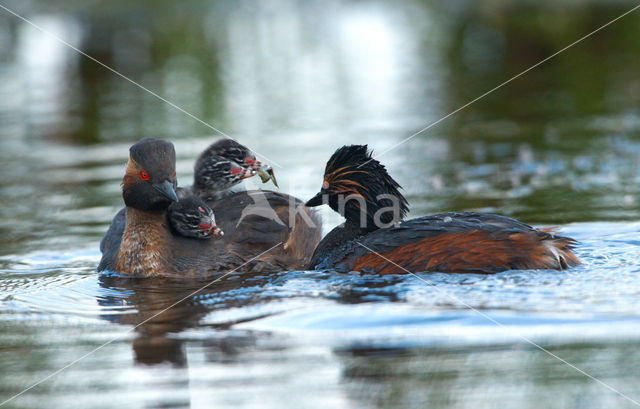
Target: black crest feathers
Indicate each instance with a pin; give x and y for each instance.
(352, 172)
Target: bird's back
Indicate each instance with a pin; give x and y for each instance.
(110, 243)
(454, 242)
(258, 220)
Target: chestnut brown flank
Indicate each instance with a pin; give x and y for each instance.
(477, 251)
(450, 242)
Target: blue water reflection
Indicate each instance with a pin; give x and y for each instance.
(294, 81)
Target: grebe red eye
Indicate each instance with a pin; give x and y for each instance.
(144, 175)
(175, 174)
(325, 184)
(249, 159)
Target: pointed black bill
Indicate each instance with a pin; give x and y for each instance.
(166, 188)
(316, 200)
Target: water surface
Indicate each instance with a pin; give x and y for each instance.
(295, 80)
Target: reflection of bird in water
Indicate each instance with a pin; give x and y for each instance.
(164, 307)
(159, 308)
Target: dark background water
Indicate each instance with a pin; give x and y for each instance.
(295, 80)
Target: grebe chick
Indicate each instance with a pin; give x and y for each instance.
(191, 217)
(234, 151)
(215, 174)
(141, 243)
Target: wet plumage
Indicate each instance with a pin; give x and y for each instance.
(140, 241)
(446, 242)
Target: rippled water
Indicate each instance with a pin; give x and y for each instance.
(309, 338)
(295, 80)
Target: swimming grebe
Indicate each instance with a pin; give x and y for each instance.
(139, 241)
(360, 189)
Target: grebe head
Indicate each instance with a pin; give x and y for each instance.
(360, 189)
(192, 217)
(149, 182)
(232, 150)
(216, 173)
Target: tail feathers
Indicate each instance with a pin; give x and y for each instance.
(562, 250)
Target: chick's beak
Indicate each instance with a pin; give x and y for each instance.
(242, 172)
(316, 200)
(211, 229)
(248, 173)
(166, 188)
(253, 163)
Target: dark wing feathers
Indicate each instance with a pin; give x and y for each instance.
(256, 217)
(110, 243)
(454, 242)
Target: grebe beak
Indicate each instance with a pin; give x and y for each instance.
(166, 188)
(253, 163)
(248, 173)
(211, 229)
(316, 200)
(243, 173)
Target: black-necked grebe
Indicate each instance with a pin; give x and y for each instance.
(359, 187)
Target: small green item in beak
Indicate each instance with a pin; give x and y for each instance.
(266, 173)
